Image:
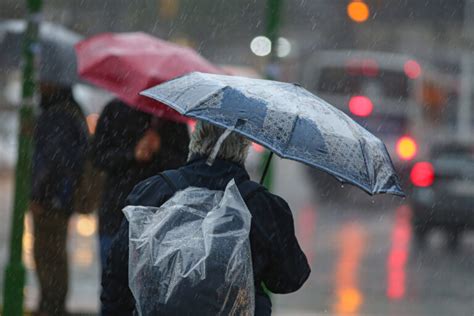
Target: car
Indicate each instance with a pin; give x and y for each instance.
(397, 97)
(443, 194)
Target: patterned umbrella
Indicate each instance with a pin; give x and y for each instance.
(288, 120)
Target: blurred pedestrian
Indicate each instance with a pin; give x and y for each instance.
(130, 146)
(60, 150)
(278, 261)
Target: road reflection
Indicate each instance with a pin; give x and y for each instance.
(83, 251)
(399, 253)
(306, 231)
(351, 247)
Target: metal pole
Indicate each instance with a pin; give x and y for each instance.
(273, 18)
(273, 23)
(15, 271)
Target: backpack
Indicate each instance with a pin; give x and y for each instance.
(191, 255)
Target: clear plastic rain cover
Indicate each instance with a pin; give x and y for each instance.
(191, 256)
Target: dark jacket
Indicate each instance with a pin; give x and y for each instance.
(278, 261)
(118, 131)
(60, 149)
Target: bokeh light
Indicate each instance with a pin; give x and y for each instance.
(422, 174)
(360, 105)
(261, 46)
(412, 69)
(86, 225)
(358, 11)
(283, 47)
(258, 148)
(406, 148)
(191, 125)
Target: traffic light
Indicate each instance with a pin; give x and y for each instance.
(358, 11)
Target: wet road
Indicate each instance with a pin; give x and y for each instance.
(363, 261)
(360, 250)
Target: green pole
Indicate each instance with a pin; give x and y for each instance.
(273, 24)
(15, 271)
(273, 18)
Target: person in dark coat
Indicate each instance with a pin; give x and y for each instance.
(130, 146)
(60, 149)
(278, 261)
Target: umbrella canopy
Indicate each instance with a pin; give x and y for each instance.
(128, 63)
(57, 57)
(288, 120)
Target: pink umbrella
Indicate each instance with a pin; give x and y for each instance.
(127, 63)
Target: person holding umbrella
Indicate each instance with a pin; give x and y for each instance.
(278, 261)
(286, 119)
(130, 146)
(135, 137)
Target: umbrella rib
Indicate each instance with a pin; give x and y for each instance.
(208, 97)
(371, 174)
(291, 132)
(169, 103)
(179, 95)
(356, 134)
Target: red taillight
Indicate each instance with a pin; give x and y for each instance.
(422, 174)
(366, 67)
(360, 105)
(412, 69)
(406, 148)
(370, 68)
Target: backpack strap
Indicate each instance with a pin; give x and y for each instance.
(175, 180)
(248, 188)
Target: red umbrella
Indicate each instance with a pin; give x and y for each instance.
(128, 63)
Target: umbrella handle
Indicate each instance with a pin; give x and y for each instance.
(267, 165)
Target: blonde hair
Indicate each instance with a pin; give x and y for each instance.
(234, 148)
